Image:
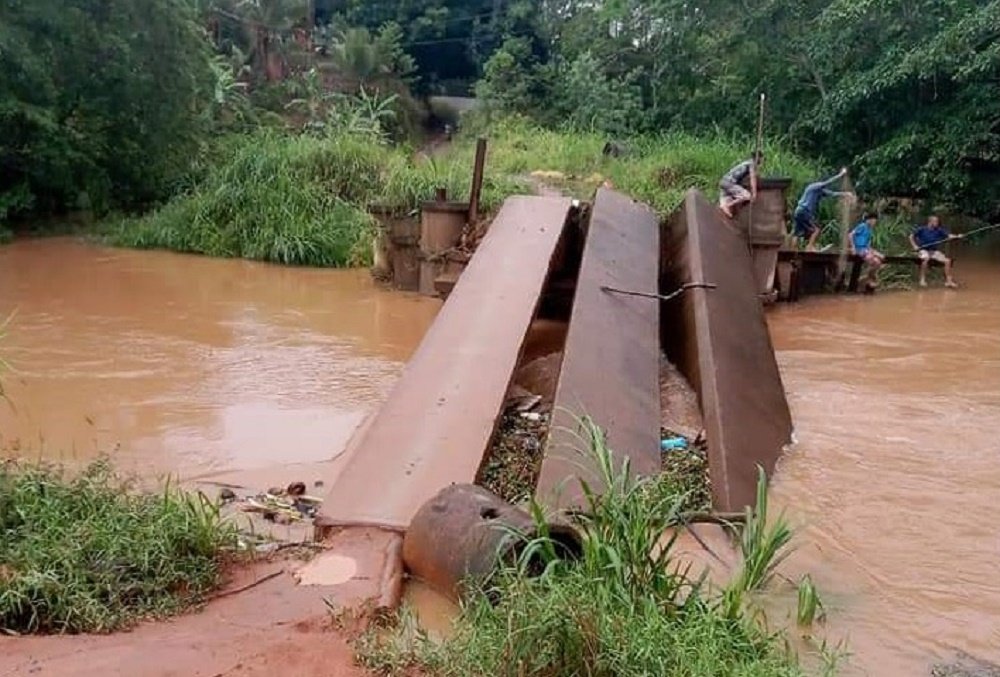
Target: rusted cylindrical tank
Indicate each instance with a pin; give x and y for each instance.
(768, 230)
(464, 532)
(441, 225)
(381, 245)
(400, 237)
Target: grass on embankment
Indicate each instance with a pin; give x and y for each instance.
(298, 199)
(306, 200)
(86, 554)
(627, 607)
(655, 169)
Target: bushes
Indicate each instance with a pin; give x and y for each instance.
(302, 199)
(298, 199)
(101, 104)
(86, 555)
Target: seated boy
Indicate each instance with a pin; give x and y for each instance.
(861, 241)
(926, 241)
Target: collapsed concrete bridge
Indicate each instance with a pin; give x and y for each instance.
(547, 258)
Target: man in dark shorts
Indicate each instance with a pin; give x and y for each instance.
(806, 224)
(926, 241)
(733, 194)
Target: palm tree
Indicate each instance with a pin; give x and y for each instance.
(268, 24)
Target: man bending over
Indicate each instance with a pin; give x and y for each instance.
(807, 211)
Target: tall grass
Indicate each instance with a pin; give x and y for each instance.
(86, 554)
(627, 607)
(656, 169)
(298, 199)
(271, 197)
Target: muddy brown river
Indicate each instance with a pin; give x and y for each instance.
(192, 366)
(189, 365)
(895, 478)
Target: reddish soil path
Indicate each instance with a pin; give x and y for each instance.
(275, 628)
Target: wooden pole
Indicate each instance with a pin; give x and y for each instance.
(477, 180)
(759, 145)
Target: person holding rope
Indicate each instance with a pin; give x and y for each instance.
(860, 241)
(805, 219)
(926, 241)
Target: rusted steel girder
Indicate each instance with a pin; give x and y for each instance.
(719, 340)
(436, 424)
(610, 368)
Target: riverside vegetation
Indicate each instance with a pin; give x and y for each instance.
(89, 554)
(198, 85)
(627, 606)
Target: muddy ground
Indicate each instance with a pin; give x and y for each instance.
(274, 628)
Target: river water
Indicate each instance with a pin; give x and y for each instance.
(192, 365)
(189, 365)
(896, 474)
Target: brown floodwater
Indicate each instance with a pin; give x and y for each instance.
(195, 366)
(896, 474)
(190, 365)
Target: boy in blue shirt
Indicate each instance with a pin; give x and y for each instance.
(926, 241)
(861, 241)
(806, 225)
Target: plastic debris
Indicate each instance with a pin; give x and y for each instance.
(674, 444)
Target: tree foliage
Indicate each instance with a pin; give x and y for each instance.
(101, 101)
(908, 91)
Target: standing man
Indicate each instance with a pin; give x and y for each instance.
(807, 211)
(861, 241)
(733, 194)
(926, 241)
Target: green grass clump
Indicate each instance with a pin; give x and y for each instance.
(86, 554)
(299, 199)
(271, 197)
(626, 607)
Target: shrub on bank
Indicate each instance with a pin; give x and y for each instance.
(88, 555)
(299, 199)
(271, 197)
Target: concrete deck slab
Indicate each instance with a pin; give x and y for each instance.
(434, 428)
(720, 341)
(610, 368)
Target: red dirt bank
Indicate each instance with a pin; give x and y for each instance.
(275, 628)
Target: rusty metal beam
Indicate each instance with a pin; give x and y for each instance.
(436, 424)
(720, 341)
(610, 368)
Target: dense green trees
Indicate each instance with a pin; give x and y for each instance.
(102, 102)
(907, 90)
